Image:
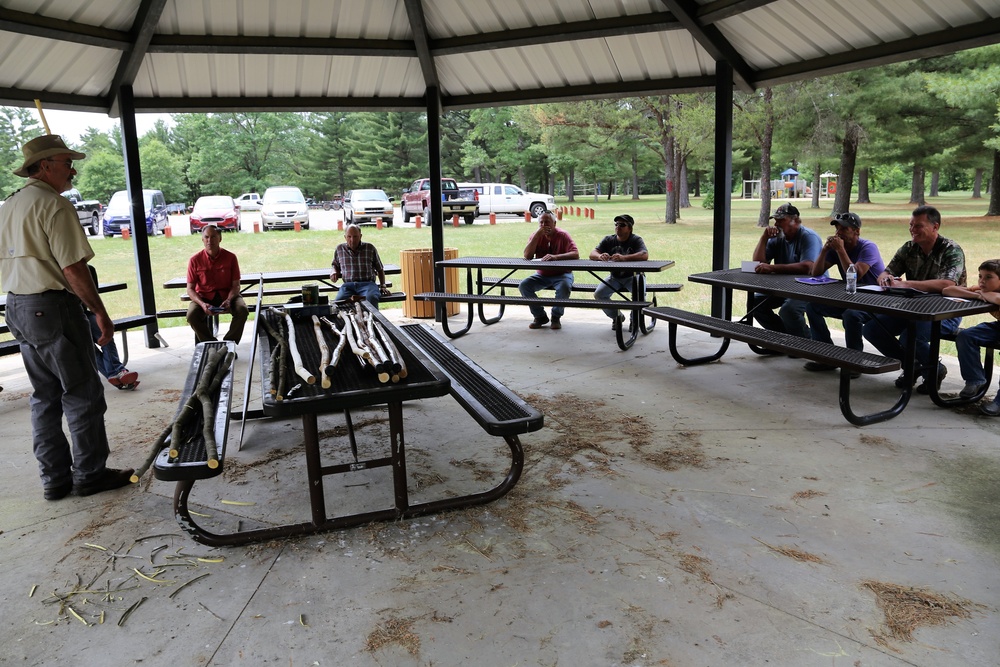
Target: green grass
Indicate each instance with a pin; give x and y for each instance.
(688, 242)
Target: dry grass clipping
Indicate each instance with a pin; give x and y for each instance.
(393, 631)
(805, 495)
(794, 554)
(877, 441)
(907, 608)
(696, 565)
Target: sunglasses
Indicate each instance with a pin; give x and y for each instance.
(846, 217)
(620, 224)
(68, 163)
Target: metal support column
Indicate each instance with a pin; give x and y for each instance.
(133, 183)
(723, 187)
(437, 211)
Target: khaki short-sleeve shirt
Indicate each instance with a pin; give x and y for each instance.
(40, 235)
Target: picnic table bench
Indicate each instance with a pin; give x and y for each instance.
(122, 324)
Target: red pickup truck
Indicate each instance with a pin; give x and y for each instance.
(416, 201)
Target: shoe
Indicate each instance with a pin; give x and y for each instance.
(109, 479)
(616, 324)
(942, 373)
(539, 322)
(556, 324)
(57, 492)
(991, 409)
(817, 367)
(124, 376)
(128, 387)
(971, 389)
(901, 381)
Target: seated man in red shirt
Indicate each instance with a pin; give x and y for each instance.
(213, 285)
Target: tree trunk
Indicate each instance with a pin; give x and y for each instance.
(697, 182)
(863, 197)
(552, 184)
(848, 160)
(977, 185)
(611, 189)
(935, 179)
(995, 186)
(815, 193)
(635, 174)
(767, 139)
(570, 184)
(917, 189)
(670, 215)
(685, 198)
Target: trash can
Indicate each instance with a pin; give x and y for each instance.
(417, 268)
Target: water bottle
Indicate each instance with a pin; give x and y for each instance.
(852, 279)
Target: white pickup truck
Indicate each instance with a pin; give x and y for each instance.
(506, 198)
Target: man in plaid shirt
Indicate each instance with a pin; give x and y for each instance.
(358, 263)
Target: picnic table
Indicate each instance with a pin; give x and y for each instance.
(932, 308)
(432, 370)
(483, 290)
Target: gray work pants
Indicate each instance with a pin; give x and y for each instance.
(58, 354)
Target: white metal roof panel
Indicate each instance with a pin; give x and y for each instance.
(775, 41)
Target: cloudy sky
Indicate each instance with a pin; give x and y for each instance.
(73, 124)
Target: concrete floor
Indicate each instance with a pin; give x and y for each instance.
(717, 515)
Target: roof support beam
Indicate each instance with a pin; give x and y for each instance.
(557, 32)
(712, 40)
(982, 33)
(724, 9)
(295, 46)
(23, 23)
(723, 186)
(421, 40)
(142, 32)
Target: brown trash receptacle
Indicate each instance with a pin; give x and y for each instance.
(417, 268)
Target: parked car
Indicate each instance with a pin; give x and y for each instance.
(218, 210)
(248, 201)
(118, 214)
(506, 198)
(177, 208)
(88, 210)
(364, 206)
(281, 207)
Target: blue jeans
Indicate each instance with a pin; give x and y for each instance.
(108, 362)
(562, 284)
(881, 331)
(58, 354)
(367, 289)
(969, 342)
(853, 321)
(791, 316)
(623, 285)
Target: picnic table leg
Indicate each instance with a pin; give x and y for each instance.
(932, 374)
(480, 307)
(910, 353)
(684, 361)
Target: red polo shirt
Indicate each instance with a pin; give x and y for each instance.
(213, 277)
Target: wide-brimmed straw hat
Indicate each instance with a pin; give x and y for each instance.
(42, 147)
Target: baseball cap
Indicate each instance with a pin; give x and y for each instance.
(847, 220)
(784, 211)
(626, 218)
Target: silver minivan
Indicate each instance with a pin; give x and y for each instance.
(283, 206)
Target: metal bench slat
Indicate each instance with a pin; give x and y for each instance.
(862, 362)
(497, 409)
(582, 287)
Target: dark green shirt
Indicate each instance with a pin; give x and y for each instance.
(946, 262)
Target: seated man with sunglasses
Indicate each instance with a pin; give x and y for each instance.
(622, 246)
(844, 248)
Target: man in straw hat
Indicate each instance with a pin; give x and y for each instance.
(43, 268)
